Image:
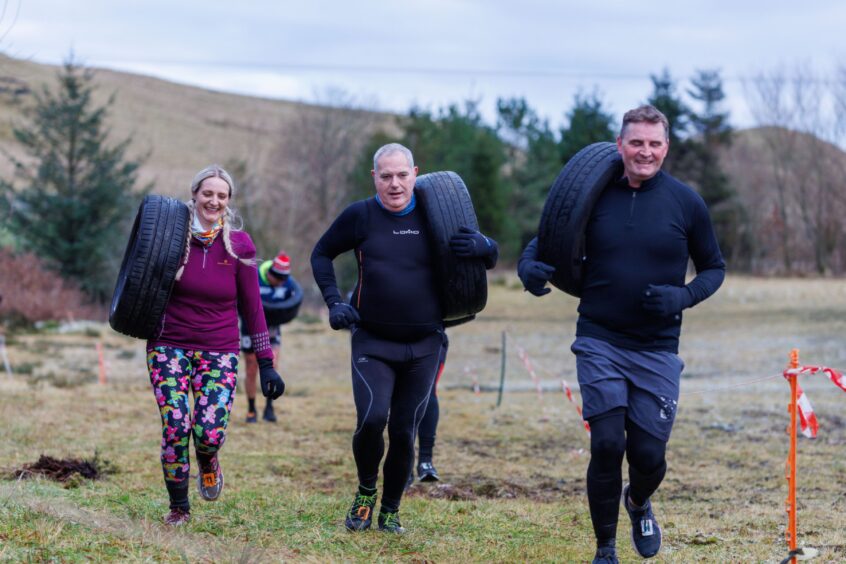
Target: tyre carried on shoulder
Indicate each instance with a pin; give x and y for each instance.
(561, 233)
(281, 312)
(463, 282)
(148, 271)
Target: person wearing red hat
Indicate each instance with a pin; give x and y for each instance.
(275, 285)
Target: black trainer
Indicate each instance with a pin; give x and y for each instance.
(269, 414)
(646, 534)
(606, 555)
(360, 515)
(390, 523)
(427, 473)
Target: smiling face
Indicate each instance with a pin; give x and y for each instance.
(211, 199)
(394, 179)
(643, 147)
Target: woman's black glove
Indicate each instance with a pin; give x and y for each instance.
(272, 385)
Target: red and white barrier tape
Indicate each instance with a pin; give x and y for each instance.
(527, 363)
(807, 418)
(529, 366)
(569, 395)
(472, 373)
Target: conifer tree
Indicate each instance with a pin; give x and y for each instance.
(71, 199)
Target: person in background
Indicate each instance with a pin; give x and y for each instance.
(196, 347)
(275, 285)
(427, 431)
(641, 234)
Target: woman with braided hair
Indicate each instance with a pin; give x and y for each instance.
(197, 344)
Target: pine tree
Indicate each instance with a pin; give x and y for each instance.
(664, 98)
(712, 134)
(533, 164)
(588, 123)
(71, 200)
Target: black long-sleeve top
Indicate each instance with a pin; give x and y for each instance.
(396, 295)
(641, 236)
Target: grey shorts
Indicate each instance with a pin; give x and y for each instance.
(646, 383)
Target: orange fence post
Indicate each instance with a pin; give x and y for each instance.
(102, 363)
(791, 470)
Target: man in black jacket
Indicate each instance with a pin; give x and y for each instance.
(641, 233)
(395, 317)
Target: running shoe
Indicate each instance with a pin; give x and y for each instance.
(360, 515)
(606, 555)
(646, 534)
(177, 517)
(269, 415)
(252, 417)
(389, 522)
(210, 479)
(427, 473)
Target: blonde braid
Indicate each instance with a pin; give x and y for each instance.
(229, 218)
(191, 212)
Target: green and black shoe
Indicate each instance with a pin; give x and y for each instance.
(390, 523)
(360, 515)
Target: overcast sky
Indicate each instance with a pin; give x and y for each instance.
(392, 55)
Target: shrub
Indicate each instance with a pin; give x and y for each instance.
(30, 292)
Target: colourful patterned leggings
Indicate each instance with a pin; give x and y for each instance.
(212, 376)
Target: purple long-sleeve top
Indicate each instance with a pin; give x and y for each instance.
(215, 287)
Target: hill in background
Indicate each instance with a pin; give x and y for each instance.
(181, 128)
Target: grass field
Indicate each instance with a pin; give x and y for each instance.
(513, 476)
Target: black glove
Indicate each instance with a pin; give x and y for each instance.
(342, 315)
(272, 385)
(535, 274)
(665, 300)
(469, 243)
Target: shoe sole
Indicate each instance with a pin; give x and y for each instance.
(429, 478)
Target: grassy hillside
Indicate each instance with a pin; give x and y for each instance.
(182, 128)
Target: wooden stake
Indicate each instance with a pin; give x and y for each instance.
(5, 356)
(501, 373)
(102, 364)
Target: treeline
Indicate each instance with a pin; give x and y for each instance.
(509, 166)
(775, 192)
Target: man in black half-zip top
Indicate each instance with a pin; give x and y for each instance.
(640, 235)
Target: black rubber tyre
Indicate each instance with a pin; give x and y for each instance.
(463, 282)
(280, 313)
(148, 271)
(561, 234)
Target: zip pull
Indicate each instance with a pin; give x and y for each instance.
(205, 252)
(631, 209)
